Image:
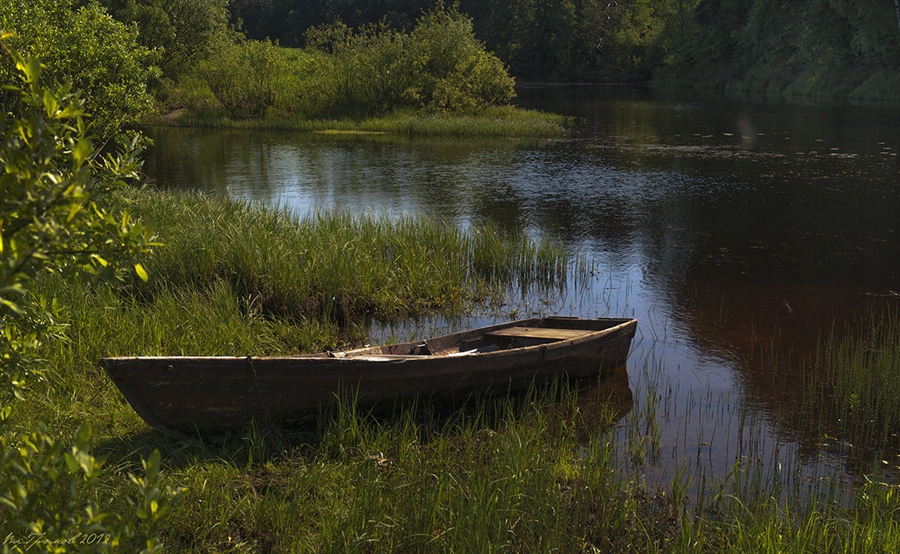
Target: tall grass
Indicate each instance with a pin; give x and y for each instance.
(500, 474)
(541, 472)
(855, 381)
(334, 265)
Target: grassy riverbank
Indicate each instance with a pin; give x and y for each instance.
(499, 122)
(277, 283)
(552, 470)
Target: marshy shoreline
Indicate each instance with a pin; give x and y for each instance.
(537, 472)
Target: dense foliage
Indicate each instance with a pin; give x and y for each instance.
(84, 47)
(537, 39)
(178, 31)
(807, 47)
(52, 219)
(834, 47)
(437, 66)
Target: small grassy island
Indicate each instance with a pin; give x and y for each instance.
(436, 79)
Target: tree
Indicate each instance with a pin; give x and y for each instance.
(178, 30)
(86, 48)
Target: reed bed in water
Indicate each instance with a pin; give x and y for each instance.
(774, 498)
(334, 265)
(854, 382)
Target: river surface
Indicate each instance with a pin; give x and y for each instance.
(734, 232)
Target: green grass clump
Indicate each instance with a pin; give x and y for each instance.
(237, 279)
(856, 378)
(490, 122)
(333, 265)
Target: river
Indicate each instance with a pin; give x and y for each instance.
(735, 232)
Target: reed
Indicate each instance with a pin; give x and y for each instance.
(332, 266)
(854, 381)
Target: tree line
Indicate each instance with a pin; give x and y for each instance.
(537, 39)
(802, 47)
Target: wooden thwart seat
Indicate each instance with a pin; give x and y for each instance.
(539, 333)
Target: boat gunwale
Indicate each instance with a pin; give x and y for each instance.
(342, 356)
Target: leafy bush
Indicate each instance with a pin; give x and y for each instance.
(254, 79)
(49, 221)
(178, 31)
(86, 48)
(439, 66)
(458, 73)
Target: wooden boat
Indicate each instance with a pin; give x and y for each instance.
(184, 396)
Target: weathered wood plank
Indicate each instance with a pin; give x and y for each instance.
(539, 333)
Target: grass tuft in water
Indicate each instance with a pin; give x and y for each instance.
(855, 378)
(334, 266)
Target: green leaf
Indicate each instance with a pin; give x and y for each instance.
(51, 103)
(11, 306)
(81, 152)
(71, 462)
(73, 211)
(141, 272)
(84, 434)
(31, 69)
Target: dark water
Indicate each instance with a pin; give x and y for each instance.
(721, 226)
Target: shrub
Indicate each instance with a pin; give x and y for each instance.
(458, 73)
(48, 221)
(83, 47)
(439, 66)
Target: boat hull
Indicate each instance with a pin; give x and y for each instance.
(189, 395)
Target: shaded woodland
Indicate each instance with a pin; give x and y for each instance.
(836, 48)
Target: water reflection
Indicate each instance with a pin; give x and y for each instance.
(723, 227)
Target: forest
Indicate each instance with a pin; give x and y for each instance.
(337, 59)
(835, 48)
